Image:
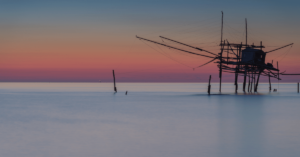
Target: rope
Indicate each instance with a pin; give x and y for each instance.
(166, 55)
(286, 53)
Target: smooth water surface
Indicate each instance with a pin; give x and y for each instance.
(153, 120)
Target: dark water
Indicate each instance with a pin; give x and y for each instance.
(154, 119)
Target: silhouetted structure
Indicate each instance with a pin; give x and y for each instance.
(241, 59)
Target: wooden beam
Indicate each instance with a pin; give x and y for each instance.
(115, 88)
(208, 90)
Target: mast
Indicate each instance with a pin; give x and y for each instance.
(220, 72)
(221, 58)
(260, 45)
(222, 29)
(246, 32)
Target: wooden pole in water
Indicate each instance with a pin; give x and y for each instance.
(115, 88)
(208, 90)
(270, 88)
(249, 82)
(236, 73)
(254, 83)
(245, 77)
(257, 81)
(221, 58)
(235, 82)
(278, 70)
(298, 87)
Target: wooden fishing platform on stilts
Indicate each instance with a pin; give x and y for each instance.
(241, 59)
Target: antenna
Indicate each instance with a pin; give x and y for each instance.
(246, 31)
(222, 29)
(260, 45)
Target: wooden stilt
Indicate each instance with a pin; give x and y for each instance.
(220, 74)
(238, 67)
(278, 71)
(270, 87)
(257, 81)
(115, 88)
(249, 83)
(236, 77)
(235, 82)
(208, 90)
(222, 47)
(254, 82)
(245, 77)
(220, 80)
(298, 87)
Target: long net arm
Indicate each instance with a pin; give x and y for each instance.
(290, 74)
(207, 62)
(280, 48)
(188, 45)
(173, 47)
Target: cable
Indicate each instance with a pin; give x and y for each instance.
(167, 56)
(286, 53)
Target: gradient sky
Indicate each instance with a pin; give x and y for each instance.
(85, 40)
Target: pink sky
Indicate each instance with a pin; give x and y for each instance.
(82, 43)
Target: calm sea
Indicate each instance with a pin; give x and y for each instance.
(152, 120)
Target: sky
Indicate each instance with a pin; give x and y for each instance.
(83, 41)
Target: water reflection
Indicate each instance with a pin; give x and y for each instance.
(240, 126)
